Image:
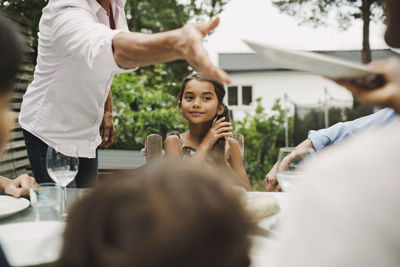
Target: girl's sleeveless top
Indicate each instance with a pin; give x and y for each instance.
(190, 151)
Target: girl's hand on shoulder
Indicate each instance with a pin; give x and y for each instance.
(220, 129)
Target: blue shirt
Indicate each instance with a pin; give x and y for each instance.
(341, 130)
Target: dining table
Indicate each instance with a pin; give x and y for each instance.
(263, 242)
(33, 236)
(40, 240)
(30, 214)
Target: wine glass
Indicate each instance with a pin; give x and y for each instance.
(62, 165)
(290, 164)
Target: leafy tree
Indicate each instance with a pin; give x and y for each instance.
(151, 16)
(316, 12)
(263, 135)
(163, 15)
(313, 120)
(142, 107)
(360, 111)
(30, 10)
(335, 115)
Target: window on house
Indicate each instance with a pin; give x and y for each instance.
(247, 95)
(233, 95)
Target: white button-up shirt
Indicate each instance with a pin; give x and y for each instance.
(75, 68)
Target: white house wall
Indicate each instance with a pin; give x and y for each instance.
(301, 88)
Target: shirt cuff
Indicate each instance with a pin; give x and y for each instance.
(110, 55)
(319, 141)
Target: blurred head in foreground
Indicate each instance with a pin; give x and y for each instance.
(392, 35)
(165, 214)
(10, 55)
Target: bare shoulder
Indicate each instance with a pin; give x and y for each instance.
(173, 146)
(233, 147)
(172, 140)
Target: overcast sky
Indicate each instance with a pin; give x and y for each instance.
(259, 20)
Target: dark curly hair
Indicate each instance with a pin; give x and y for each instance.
(162, 215)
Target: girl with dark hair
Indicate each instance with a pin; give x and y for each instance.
(207, 141)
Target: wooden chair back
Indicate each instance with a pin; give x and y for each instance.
(153, 146)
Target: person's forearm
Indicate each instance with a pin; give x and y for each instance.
(132, 49)
(242, 181)
(305, 144)
(108, 105)
(300, 148)
(3, 183)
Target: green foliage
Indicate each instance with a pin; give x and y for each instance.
(30, 10)
(314, 119)
(151, 16)
(335, 115)
(357, 112)
(163, 15)
(263, 135)
(142, 107)
(318, 13)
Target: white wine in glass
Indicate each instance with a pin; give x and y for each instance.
(62, 165)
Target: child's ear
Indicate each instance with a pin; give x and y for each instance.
(180, 105)
(221, 109)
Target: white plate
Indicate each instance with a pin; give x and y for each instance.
(32, 243)
(260, 249)
(309, 61)
(10, 205)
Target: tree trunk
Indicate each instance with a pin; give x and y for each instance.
(366, 50)
(366, 16)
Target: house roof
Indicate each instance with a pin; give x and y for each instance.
(246, 62)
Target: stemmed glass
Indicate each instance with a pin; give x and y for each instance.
(290, 163)
(62, 165)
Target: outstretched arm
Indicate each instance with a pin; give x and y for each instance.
(132, 49)
(103, 49)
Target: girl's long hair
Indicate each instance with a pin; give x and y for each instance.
(218, 149)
